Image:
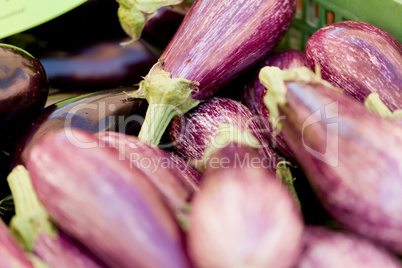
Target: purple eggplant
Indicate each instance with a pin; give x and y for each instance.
(170, 174)
(243, 216)
(254, 93)
(333, 249)
(360, 58)
(253, 90)
(99, 200)
(216, 41)
(11, 254)
(23, 88)
(93, 112)
(197, 130)
(103, 65)
(36, 233)
(161, 27)
(350, 155)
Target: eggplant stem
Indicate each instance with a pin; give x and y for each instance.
(31, 218)
(167, 97)
(284, 174)
(377, 106)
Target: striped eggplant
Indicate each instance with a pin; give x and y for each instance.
(243, 216)
(11, 254)
(283, 60)
(93, 112)
(350, 155)
(109, 207)
(216, 41)
(334, 249)
(253, 90)
(197, 129)
(36, 233)
(360, 58)
(171, 175)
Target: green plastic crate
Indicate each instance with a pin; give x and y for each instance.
(314, 14)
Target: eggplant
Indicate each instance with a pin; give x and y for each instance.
(254, 95)
(171, 175)
(199, 129)
(103, 65)
(243, 216)
(93, 112)
(109, 207)
(216, 41)
(253, 90)
(23, 88)
(350, 155)
(11, 254)
(36, 233)
(359, 58)
(163, 24)
(333, 249)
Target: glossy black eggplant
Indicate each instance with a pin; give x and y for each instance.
(93, 112)
(243, 216)
(161, 27)
(199, 129)
(23, 88)
(103, 65)
(106, 205)
(216, 42)
(37, 234)
(333, 249)
(351, 156)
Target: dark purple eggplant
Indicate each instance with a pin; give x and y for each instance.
(360, 58)
(36, 233)
(216, 41)
(93, 112)
(103, 65)
(334, 249)
(199, 129)
(350, 155)
(23, 88)
(161, 26)
(170, 174)
(99, 200)
(253, 90)
(243, 216)
(11, 254)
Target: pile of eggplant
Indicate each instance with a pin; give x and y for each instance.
(200, 144)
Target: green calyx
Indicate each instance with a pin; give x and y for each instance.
(133, 14)
(226, 134)
(274, 80)
(284, 174)
(375, 104)
(30, 217)
(167, 97)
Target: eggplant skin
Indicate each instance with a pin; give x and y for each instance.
(23, 88)
(193, 133)
(234, 36)
(92, 112)
(11, 255)
(333, 249)
(351, 158)
(99, 200)
(100, 66)
(253, 91)
(243, 216)
(360, 58)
